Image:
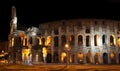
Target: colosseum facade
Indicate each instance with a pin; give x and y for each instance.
(73, 41)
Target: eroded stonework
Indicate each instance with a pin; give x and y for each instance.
(94, 41)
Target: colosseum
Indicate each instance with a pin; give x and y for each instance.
(74, 41)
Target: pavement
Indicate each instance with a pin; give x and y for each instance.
(58, 67)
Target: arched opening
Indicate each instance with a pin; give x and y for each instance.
(17, 41)
(112, 40)
(71, 58)
(12, 42)
(119, 58)
(80, 58)
(39, 40)
(119, 42)
(103, 39)
(48, 41)
(63, 57)
(63, 40)
(43, 41)
(97, 58)
(49, 59)
(56, 57)
(87, 40)
(113, 58)
(105, 58)
(89, 57)
(71, 40)
(30, 40)
(96, 40)
(56, 41)
(24, 41)
(80, 40)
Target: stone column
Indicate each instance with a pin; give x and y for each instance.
(59, 47)
(92, 46)
(117, 58)
(33, 55)
(117, 48)
(109, 61)
(67, 35)
(76, 48)
(52, 48)
(75, 57)
(101, 59)
(84, 57)
(93, 59)
(59, 37)
(40, 55)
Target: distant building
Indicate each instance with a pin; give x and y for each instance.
(77, 41)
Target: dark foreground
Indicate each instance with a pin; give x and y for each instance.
(60, 67)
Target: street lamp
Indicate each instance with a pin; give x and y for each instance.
(67, 49)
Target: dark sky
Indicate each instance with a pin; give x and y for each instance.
(34, 12)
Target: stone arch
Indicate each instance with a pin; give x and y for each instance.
(105, 58)
(63, 57)
(56, 57)
(56, 41)
(71, 59)
(71, 40)
(96, 40)
(119, 57)
(80, 39)
(118, 42)
(49, 58)
(89, 57)
(17, 41)
(97, 58)
(43, 41)
(30, 40)
(103, 39)
(80, 58)
(48, 41)
(87, 40)
(39, 40)
(112, 40)
(63, 40)
(113, 58)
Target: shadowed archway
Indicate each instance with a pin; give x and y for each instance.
(105, 58)
(113, 58)
(49, 58)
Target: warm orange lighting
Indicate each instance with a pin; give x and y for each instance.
(40, 40)
(63, 55)
(89, 55)
(44, 51)
(112, 55)
(80, 56)
(114, 39)
(37, 57)
(70, 38)
(66, 46)
(25, 53)
(12, 42)
(97, 40)
(48, 41)
(118, 42)
(71, 56)
(24, 41)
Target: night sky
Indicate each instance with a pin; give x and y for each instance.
(34, 12)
